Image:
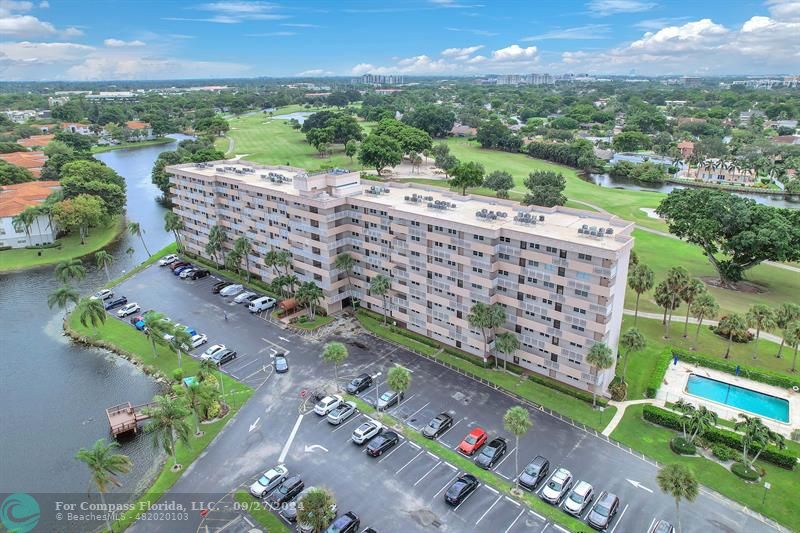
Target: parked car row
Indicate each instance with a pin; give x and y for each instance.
(219, 354)
(255, 302)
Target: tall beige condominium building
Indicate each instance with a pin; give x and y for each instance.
(559, 273)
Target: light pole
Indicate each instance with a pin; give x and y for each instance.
(767, 486)
(375, 379)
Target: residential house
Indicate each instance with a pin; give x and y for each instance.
(786, 139)
(136, 130)
(460, 130)
(33, 161)
(14, 199)
(686, 148)
(746, 116)
(77, 127)
(722, 172)
(690, 120)
(36, 141)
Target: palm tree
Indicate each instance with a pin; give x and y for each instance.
(346, 263)
(677, 279)
(91, 312)
(700, 421)
(335, 353)
(792, 336)
(181, 340)
(640, 279)
(309, 295)
(678, 481)
(316, 509)
(167, 424)
(664, 299)
(690, 292)
(209, 368)
(135, 229)
(216, 241)
(233, 262)
(486, 318)
(291, 282)
(197, 394)
(23, 222)
(686, 410)
(103, 259)
(756, 435)
(283, 259)
(704, 306)
(269, 260)
(734, 323)
(104, 466)
(279, 285)
(156, 326)
(600, 357)
(61, 297)
(517, 421)
(760, 316)
(380, 285)
(506, 343)
(69, 269)
(631, 341)
(785, 314)
(398, 379)
(244, 248)
(173, 223)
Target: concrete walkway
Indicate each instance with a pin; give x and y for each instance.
(681, 319)
(621, 407)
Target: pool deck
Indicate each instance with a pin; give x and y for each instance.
(677, 377)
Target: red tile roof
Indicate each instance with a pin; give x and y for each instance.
(33, 161)
(15, 198)
(136, 125)
(35, 140)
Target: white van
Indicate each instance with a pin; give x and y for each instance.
(261, 304)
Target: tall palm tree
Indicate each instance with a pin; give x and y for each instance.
(209, 368)
(760, 316)
(486, 318)
(791, 335)
(640, 280)
(22, 223)
(173, 223)
(398, 379)
(631, 341)
(168, 424)
(686, 410)
(197, 394)
(233, 262)
(317, 509)
(664, 299)
(756, 435)
(103, 259)
(380, 285)
(91, 312)
(506, 343)
(690, 292)
(677, 279)
(61, 297)
(270, 260)
(283, 258)
(104, 466)
(785, 314)
(292, 281)
(335, 353)
(216, 241)
(346, 263)
(517, 421)
(678, 481)
(69, 269)
(156, 326)
(244, 248)
(700, 421)
(135, 229)
(704, 306)
(600, 357)
(734, 323)
(180, 340)
(309, 295)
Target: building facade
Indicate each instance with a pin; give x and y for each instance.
(14, 199)
(559, 273)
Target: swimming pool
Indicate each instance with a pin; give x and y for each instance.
(745, 399)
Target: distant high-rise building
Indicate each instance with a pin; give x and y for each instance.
(691, 81)
(381, 79)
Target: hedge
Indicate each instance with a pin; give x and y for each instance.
(671, 420)
(659, 371)
(756, 374)
(744, 472)
(682, 446)
(722, 452)
(566, 389)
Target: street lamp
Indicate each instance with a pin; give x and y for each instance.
(375, 379)
(767, 486)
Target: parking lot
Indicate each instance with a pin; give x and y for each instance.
(403, 489)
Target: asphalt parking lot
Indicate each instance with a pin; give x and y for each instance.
(402, 490)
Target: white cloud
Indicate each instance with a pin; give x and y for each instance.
(233, 12)
(300, 25)
(483, 33)
(271, 34)
(362, 68)
(515, 53)
(657, 24)
(134, 68)
(588, 32)
(314, 72)
(604, 8)
(44, 4)
(7, 6)
(117, 43)
(784, 9)
(24, 26)
(461, 53)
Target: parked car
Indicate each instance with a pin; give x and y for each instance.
(382, 443)
(198, 340)
(603, 511)
(267, 482)
(579, 498)
(102, 294)
(137, 318)
(167, 259)
(492, 453)
(281, 364)
(223, 357)
(474, 440)
(286, 491)
(289, 511)
(181, 268)
(261, 304)
(344, 411)
(211, 350)
(388, 399)
(534, 473)
(115, 302)
(440, 423)
(198, 273)
(219, 286)
(661, 526)
(327, 404)
(177, 264)
(231, 290)
(366, 431)
(187, 271)
(347, 523)
(557, 486)
(242, 296)
(128, 309)
(460, 489)
(359, 383)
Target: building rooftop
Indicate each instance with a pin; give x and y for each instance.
(136, 125)
(32, 161)
(15, 198)
(35, 140)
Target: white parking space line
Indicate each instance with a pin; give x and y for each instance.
(515, 520)
(465, 499)
(418, 410)
(446, 432)
(286, 446)
(502, 475)
(343, 424)
(560, 528)
(428, 472)
(451, 466)
(487, 510)
(408, 463)
(238, 368)
(396, 406)
(537, 515)
(492, 489)
(446, 485)
(515, 502)
(382, 459)
(433, 455)
(415, 445)
(619, 519)
(545, 527)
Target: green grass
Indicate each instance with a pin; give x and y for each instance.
(140, 144)
(653, 441)
(70, 247)
(168, 249)
(376, 326)
(261, 514)
(318, 322)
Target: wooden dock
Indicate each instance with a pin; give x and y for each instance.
(125, 417)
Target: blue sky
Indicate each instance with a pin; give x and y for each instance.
(146, 39)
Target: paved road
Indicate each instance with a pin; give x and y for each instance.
(693, 321)
(403, 490)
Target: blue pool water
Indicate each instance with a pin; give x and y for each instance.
(739, 397)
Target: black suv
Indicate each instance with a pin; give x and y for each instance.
(115, 302)
(199, 273)
(219, 286)
(286, 491)
(534, 473)
(491, 453)
(440, 423)
(359, 384)
(382, 443)
(347, 523)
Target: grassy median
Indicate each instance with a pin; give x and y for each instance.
(261, 514)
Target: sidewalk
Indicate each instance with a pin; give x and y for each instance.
(621, 407)
(675, 318)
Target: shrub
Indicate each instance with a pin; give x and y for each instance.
(738, 336)
(722, 452)
(566, 389)
(213, 410)
(756, 374)
(177, 374)
(744, 472)
(618, 390)
(682, 446)
(657, 377)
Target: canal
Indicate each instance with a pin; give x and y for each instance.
(54, 393)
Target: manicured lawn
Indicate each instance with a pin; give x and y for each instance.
(653, 441)
(318, 321)
(261, 513)
(153, 142)
(71, 247)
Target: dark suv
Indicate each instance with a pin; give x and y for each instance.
(440, 423)
(219, 286)
(286, 491)
(492, 453)
(603, 511)
(359, 384)
(534, 473)
(199, 273)
(347, 523)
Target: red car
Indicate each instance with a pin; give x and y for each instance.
(177, 264)
(474, 440)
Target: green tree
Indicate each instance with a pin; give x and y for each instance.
(785, 314)
(700, 421)
(135, 229)
(91, 312)
(677, 278)
(69, 269)
(486, 318)
(103, 259)
(80, 213)
(791, 334)
(693, 288)
(640, 279)
(167, 424)
(506, 343)
(678, 481)
(759, 316)
(156, 326)
(631, 141)
(10, 174)
(198, 394)
(380, 285)
(216, 243)
(23, 222)
(319, 137)
(351, 149)
(500, 182)
(546, 188)
(243, 247)
(61, 297)
(686, 410)
(704, 306)
(173, 223)
(631, 341)
(600, 357)
(316, 509)
(335, 354)
(398, 379)
(378, 151)
(309, 295)
(517, 421)
(180, 339)
(104, 466)
(345, 263)
(734, 324)
(436, 120)
(756, 437)
(467, 175)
